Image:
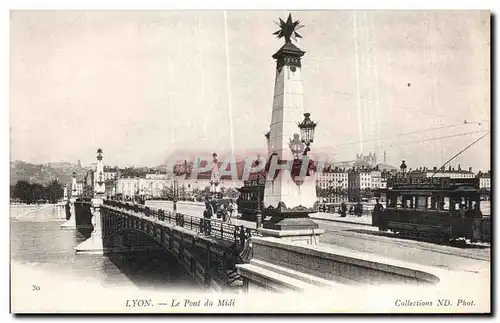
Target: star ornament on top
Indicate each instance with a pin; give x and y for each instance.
(288, 29)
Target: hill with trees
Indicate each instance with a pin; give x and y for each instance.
(44, 173)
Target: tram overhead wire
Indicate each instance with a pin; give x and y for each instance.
(456, 155)
(476, 122)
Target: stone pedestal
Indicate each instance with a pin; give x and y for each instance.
(308, 236)
(61, 210)
(71, 223)
(94, 244)
(280, 266)
(279, 222)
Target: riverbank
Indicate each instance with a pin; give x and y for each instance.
(36, 213)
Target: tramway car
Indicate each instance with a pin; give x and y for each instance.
(436, 208)
(250, 194)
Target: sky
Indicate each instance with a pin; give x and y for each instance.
(146, 85)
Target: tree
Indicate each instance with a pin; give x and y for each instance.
(197, 194)
(54, 191)
(168, 193)
(38, 192)
(182, 193)
(21, 191)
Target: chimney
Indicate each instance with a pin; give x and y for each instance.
(470, 169)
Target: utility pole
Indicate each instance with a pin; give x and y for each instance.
(175, 192)
(258, 216)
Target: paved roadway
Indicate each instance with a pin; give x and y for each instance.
(367, 239)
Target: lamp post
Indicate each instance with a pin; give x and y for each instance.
(307, 127)
(175, 191)
(338, 188)
(403, 167)
(214, 176)
(258, 216)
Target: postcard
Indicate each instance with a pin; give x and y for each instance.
(250, 161)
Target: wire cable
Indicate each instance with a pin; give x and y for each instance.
(478, 122)
(456, 155)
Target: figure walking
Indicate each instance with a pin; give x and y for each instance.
(343, 210)
(378, 206)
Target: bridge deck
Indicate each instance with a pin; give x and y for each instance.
(223, 241)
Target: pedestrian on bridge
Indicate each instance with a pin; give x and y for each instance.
(207, 215)
(378, 207)
(343, 210)
(231, 208)
(358, 210)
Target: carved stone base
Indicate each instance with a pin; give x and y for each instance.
(70, 224)
(281, 223)
(309, 236)
(93, 245)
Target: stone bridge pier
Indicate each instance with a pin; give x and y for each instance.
(91, 220)
(60, 209)
(70, 208)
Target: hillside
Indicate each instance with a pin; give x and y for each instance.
(44, 174)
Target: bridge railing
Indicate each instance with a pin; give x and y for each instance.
(210, 227)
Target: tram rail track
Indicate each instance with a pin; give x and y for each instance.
(418, 245)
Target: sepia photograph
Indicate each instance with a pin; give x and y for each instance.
(250, 161)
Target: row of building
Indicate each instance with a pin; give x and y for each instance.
(334, 184)
(341, 185)
(127, 184)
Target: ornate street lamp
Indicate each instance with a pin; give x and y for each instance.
(175, 192)
(307, 127)
(258, 217)
(403, 167)
(73, 184)
(297, 147)
(214, 178)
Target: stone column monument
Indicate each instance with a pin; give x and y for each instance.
(214, 177)
(289, 197)
(71, 223)
(94, 244)
(65, 196)
(290, 189)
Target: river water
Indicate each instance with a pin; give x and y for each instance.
(38, 242)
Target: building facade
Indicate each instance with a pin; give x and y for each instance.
(449, 172)
(484, 180)
(332, 185)
(363, 181)
(156, 187)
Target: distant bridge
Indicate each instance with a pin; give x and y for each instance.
(208, 249)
